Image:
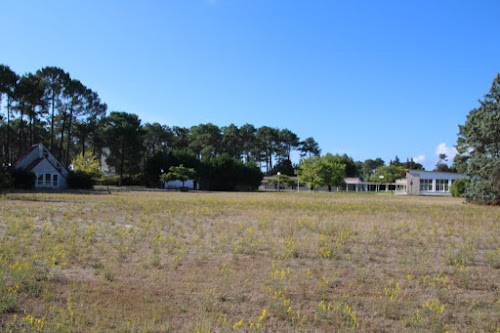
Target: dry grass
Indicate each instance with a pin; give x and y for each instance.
(218, 262)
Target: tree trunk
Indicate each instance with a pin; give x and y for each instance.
(61, 143)
(122, 160)
(20, 150)
(69, 135)
(31, 129)
(52, 125)
(8, 130)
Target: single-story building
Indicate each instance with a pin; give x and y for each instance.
(49, 172)
(190, 184)
(419, 182)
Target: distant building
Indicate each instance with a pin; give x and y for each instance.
(48, 170)
(177, 184)
(418, 182)
(106, 170)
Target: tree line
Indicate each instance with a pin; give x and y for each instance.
(52, 107)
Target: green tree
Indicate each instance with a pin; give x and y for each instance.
(387, 174)
(370, 166)
(205, 140)
(350, 167)
(321, 171)
(479, 139)
(156, 138)
(412, 165)
(226, 173)
(248, 140)
(123, 134)
(268, 138)
(287, 140)
(309, 148)
(33, 103)
(180, 139)
(178, 173)
(285, 167)
(232, 141)
(396, 162)
(441, 164)
(86, 162)
(55, 79)
(8, 82)
(163, 160)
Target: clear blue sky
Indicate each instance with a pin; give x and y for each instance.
(366, 78)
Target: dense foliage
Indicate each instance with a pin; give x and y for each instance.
(88, 163)
(80, 180)
(387, 174)
(479, 142)
(6, 180)
(458, 187)
(23, 179)
(321, 171)
(226, 173)
(178, 173)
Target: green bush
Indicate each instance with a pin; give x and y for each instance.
(458, 187)
(127, 180)
(6, 181)
(23, 179)
(80, 180)
(225, 173)
(165, 160)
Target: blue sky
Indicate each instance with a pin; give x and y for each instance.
(366, 78)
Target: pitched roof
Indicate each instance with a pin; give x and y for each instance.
(33, 147)
(34, 163)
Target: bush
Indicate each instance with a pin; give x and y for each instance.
(165, 160)
(6, 181)
(80, 180)
(127, 180)
(458, 187)
(225, 173)
(23, 179)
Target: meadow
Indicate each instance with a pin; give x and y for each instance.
(247, 262)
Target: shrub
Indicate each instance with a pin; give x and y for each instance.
(127, 180)
(225, 173)
(23, 179)
(80, 180)
(6, 181)
(165, 160)
(458, 187)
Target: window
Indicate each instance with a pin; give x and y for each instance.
(47, 179)
(39, 180)
(54, 181)
(425, 184)
(442, 185)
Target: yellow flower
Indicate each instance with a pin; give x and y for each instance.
(238, 324)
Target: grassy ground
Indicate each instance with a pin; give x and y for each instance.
(269, 262)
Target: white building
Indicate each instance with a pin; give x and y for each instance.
(418, 182)
(47, 169)
(177, 184)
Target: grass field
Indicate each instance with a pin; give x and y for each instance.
(268, 262)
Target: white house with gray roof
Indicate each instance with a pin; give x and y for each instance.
(49, 172)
